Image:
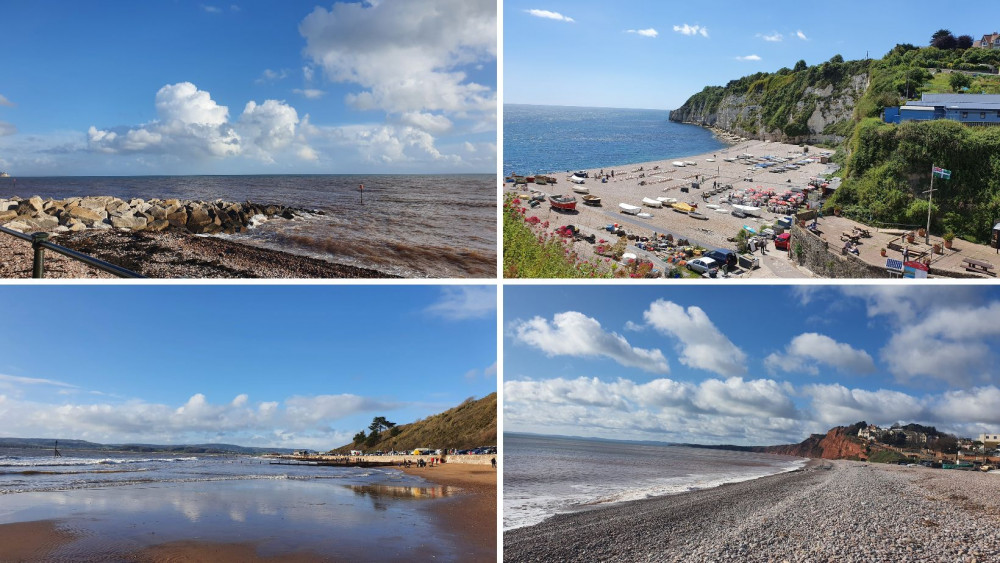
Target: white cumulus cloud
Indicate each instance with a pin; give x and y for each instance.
(643, 32)
(807, 350)
(801, 35)
(311, 93)
(575, 334)
(462, 302)
(546, 14)
(700, 343)
(773, 37)
(691, 30)
(749, 58)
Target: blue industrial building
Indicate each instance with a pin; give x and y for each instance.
(970, 109)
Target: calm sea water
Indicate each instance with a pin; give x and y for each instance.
(408, 225)
(539, 139)
(547, 475)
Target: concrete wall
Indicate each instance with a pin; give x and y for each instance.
(817, 257)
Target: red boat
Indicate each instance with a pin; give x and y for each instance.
(563, 202)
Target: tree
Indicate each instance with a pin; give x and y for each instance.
(836, 59)
(379, 423)
(964, 41)
(359, 437)
(800, 66)
(943, 39)
(957, 81)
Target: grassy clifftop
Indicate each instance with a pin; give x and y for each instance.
(469, 425)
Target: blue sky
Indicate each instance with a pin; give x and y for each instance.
(748, 365)
(179, 87)
(654, 54)
(287, 366)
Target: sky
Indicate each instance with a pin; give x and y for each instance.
(749, 365)
(655, 54)
(118, 87)
(291, 366)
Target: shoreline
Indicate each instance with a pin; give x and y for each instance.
(472, 515)
(660, 178)
(171, 255)
(829, 510)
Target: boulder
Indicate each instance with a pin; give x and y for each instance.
(101, 226)
(6, 205)
(157, 212)
(178, 218)
(75, 225)
(171, 202)
(43, 222)
(7, 216)
(97, 203)
(129, 222)
(158, 225)
(198, 219)
(86, 214)
(19, 226)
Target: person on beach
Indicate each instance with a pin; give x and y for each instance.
(494, 462)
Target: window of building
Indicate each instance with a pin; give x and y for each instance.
(982, 115)
(965, 115)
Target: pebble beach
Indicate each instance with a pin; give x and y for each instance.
(631, 183)
(829, 511)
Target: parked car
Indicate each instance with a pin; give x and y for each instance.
(782, 241)
(702, 265)
(723, 256)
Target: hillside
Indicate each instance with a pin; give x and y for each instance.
(469, 425)
(70, 445)
(887, 167)
(841, 442)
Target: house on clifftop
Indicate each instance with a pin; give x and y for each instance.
(990, 41)
(969, 109)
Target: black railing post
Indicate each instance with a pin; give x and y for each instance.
(38, 271)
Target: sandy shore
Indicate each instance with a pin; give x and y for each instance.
(830, 511)
(31, 541)
(474, 515)
(662, 178)
(169, 255)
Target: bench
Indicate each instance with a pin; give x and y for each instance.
(894, 246)
(979, 266)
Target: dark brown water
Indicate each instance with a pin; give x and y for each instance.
(408, 225)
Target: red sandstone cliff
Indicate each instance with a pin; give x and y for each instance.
(839, 443)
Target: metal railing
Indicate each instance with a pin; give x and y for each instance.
(40, 243)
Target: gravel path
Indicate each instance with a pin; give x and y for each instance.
(830, 511)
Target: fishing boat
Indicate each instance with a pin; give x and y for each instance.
(689, 163)
(4, 175)
(644, 215)
(678, 164)
(566, 202)
(576, 179)
(649, 202)
(682, 207)
(630, 209)
(696, 215)
(591, 200)
(667, 200)
(748, 209)
(712, 205)
(581, 190)
(541, 180)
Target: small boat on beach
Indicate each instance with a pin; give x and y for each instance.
(576, 179)
(630, 209)
(591, 200)
(566, 202)
(644, 215)
(581, 190)
(696, 215)
(748, 210)
(689, 163)
(651, 202)
(678, 164)
(682, 207)
(712, 205)
(667, 200)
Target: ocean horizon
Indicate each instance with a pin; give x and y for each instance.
(548, 475)
(551, 139)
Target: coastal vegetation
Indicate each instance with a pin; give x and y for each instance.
(531, 251)
(887, 167)
(469, 425)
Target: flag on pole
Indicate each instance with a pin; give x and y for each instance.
(942, 173)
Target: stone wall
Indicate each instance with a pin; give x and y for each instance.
(817, 257)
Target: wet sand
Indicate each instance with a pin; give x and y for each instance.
(240, 520)
(473, 515)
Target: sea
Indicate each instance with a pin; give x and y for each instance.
(550, 139)
(415, 226)
(115, 502)
(548, 475)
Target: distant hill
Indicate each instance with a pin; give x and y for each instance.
(70, 445)
(469, 425)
